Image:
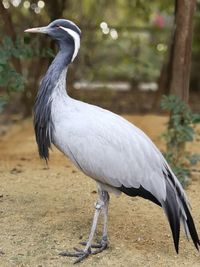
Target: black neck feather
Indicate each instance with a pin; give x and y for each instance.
(43, 124)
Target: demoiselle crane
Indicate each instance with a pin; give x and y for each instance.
(103, 145)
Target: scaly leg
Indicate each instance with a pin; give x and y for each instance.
(102, 203)
(103, 244)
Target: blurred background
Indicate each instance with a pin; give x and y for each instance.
(133, 52)
(122, 62)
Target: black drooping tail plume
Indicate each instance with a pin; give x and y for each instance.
(177, 210)
(172, 211)
(190, 225)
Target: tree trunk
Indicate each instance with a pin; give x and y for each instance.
(181, 60)
(165, 74)
(175, 73)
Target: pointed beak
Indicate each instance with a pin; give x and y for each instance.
(38, 30)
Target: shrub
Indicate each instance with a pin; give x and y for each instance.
(181, 130)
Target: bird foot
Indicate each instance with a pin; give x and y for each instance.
(81, 254)
(99, 246)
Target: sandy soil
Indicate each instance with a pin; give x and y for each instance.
(44, 211)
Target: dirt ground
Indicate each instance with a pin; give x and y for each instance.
(44, 211)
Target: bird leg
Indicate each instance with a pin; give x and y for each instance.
(103, 244)
(102, 203)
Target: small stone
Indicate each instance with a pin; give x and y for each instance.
(15, 171)
(2, 253)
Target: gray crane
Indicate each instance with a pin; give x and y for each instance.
(103, 145)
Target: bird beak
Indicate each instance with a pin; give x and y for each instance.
(38, 30)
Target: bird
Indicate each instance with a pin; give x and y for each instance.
(116, 154)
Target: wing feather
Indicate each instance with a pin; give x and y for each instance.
(120, 156)
(112, 151)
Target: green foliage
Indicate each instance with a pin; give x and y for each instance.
(11, 55)
(194, 158)
(181, 130)
(180, 127)
(133, 56)
(11, 80)
(180, 169)
(9, 77)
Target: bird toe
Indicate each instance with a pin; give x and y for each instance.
(80, 254)
(100, 248)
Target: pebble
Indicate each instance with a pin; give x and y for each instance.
(2, 253)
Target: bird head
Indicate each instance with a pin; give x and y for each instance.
(65, 32)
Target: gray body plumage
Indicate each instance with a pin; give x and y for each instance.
(106, 147)
(117, 155)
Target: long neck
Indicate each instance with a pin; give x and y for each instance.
(55, 75)
(57, 70)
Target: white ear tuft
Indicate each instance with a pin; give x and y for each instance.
(76, 38)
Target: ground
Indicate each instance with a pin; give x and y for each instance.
(44, 211)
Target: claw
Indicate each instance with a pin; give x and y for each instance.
(79, 253)
(83, 243)
(70, 254)
(78, 250)
(85, 255)
(102, 247)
